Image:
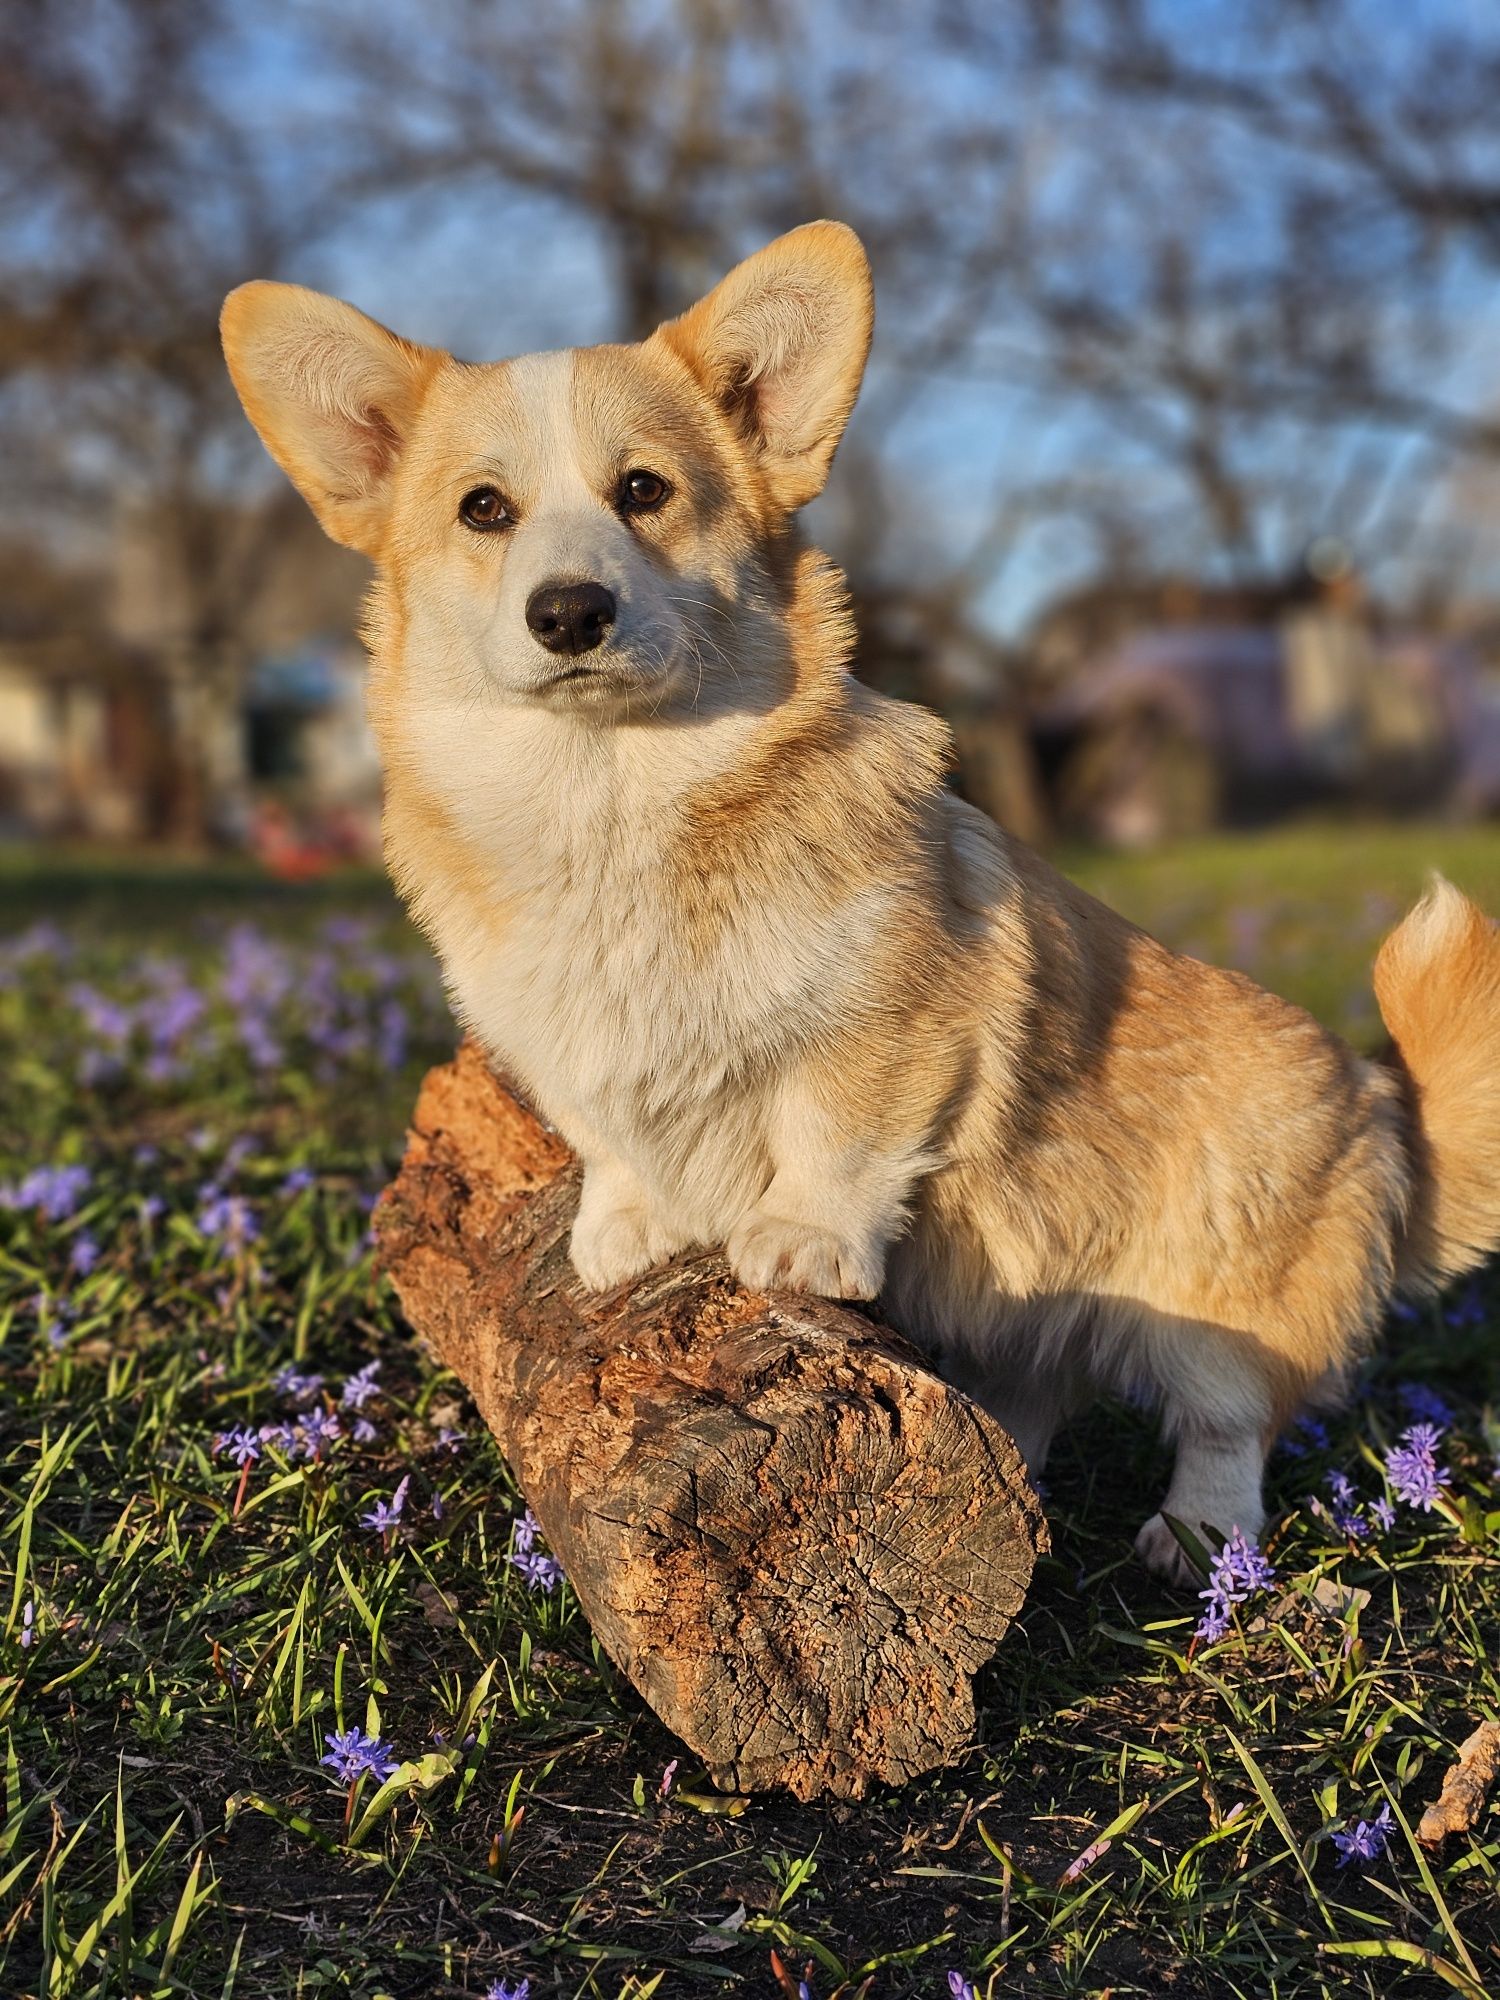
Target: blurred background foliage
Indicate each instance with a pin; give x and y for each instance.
(1175, 478)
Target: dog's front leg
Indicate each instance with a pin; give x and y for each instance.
(834, 1204)
(1215, 1489)
(618, 1232)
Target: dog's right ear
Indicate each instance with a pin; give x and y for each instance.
(333, 396)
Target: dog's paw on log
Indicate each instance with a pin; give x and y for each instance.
(798, 1542)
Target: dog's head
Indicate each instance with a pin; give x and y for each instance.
(585, 529)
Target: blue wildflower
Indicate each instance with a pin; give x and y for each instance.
(541, 1572)
(352, 1755)
(290, 1381)
(240, 1444)
(386, 1515)
(299, 1180)
(1235, 1574)
(1468, 1310)
(55, 1191)
(1215, 1620)
(318, 1429)
(1365, 1841)
(1307, 1434)
(1425, 1405)
(502, 1989)
(1413, 1470)
(84, 1255)
(361, 1387)
(226, 1219)
(1345, 1512)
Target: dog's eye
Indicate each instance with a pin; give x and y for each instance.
(485, 508)
(641, 491)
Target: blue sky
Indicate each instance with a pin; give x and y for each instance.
(453, 267)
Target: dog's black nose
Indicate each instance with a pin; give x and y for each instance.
(570, 617)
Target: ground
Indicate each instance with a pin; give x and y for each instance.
(1144, 1813)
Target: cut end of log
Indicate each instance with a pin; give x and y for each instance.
(797, 1541)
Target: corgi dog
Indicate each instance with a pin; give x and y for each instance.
(710, 901)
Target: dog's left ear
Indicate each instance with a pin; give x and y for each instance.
(333, 395)
(781, 345)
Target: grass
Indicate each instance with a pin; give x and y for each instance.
(1140, 1815)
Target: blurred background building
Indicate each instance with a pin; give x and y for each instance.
(1176, 480)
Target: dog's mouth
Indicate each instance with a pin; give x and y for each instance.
(599, 677)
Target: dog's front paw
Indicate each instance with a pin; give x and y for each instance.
(1162, 1553)
(609, 1245)
(769, 1253)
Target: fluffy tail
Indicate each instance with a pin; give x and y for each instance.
(1437, 980)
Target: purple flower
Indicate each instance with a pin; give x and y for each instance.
(524, 1531)
(56, 1191)
(317, 1430)
(364, 1431)
(450, 1441)
(53, 1323)
(1383, 1514)
(1365, 1840)
(1467, 1310)
(1424, 1405)
(240, 1444)
(152, 1207)
(1236, 1573)
(281, 1437)
(361, 1387)
(1215, 1620)
(1307, 1434)
(1344, 1512)
(171, 1015)
(290, 1381)
(1239, 1569)
(664, 1789)
(104, 1018)
(299, 1180)
(227, 1220)
(28, 1624)
(384, 1516)
(84, 1254)
(1413, 1470)
(501, 1989)
(541, 1572)
(961, 1988)
(352, 1755)
(393, 1027)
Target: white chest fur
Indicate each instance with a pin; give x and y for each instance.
(634, 1029)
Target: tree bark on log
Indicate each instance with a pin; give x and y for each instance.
(797, 1542)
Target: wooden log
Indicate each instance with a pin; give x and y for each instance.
(795, 1539)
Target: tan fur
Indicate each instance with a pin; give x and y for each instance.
(1437, 981)
(711, 902)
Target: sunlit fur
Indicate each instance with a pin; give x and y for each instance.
(713, 905)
